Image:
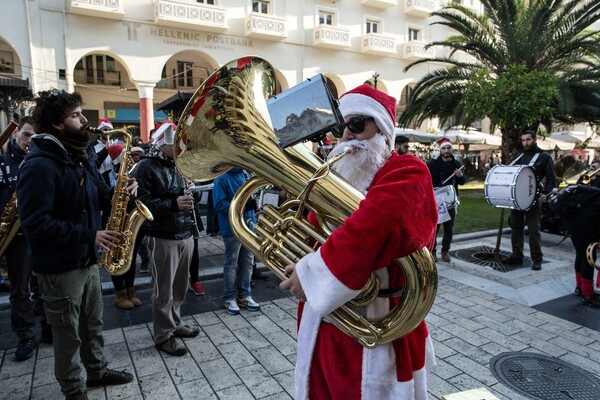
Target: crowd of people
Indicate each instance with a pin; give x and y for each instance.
(65, 181)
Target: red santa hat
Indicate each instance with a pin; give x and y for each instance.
(115, 152)
(165, 133)
(368, 101)
(105, 123)
(444, 142)
(137, 151)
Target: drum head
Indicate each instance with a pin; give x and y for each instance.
(525, 188)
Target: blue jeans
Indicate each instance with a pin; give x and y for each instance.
(237, 269)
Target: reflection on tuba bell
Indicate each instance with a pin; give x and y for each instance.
(225, 124)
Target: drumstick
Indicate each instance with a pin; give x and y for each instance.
(450, 177)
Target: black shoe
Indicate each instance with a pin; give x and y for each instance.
(513, 260)
(25, 349)
(77, 396)
(111, 377)
(593, 301)
(187, 331)
(537, 266)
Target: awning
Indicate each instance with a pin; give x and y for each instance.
(485, 141)
(175, 104)
(7, 82)
(553, 143)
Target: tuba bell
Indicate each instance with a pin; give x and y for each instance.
(225, 124)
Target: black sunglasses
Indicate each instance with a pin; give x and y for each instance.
(355, 125)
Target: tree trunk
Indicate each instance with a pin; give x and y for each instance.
(511, 143)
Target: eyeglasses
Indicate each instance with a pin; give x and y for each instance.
(355, 125)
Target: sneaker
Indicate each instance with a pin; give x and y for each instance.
(172, 347)
(537, 266)
(232, 307)
(197, 288)
(445, 256)
(25, 349)
(249, 303)
(111, 377)
(592, 301)
(187, 331)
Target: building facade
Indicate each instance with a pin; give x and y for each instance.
(127, 56)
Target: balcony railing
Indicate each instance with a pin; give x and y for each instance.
(189, 15)
(112, 9)
(331, 37)
(380, 3)
(420, 8)
(378, 44)
(415, 50)
(96, 77)
(265, 26)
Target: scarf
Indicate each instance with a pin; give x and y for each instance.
(76, 145)
(156, 152)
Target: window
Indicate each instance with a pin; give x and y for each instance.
(414, 34)
(211, 2)
(372, 26)
(260, 7)
(326, 17)
(97, 69)
(185, 76)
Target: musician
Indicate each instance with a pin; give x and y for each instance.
(544, 171)
(22, 309)
(58, 206)
(169, 239)
(397, 217)
(446, 171)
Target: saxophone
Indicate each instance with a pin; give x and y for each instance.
(117, 261)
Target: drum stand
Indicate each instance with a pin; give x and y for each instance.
(499, 238)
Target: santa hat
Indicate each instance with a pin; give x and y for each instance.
(444, 142)
(165, 133)
(105, 123)
(116, 153)
(137, 151)
(326, 143)
(368, 101)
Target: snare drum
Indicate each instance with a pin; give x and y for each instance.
(511, 186)
(449, 195)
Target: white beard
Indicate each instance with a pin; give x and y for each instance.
(362, 164)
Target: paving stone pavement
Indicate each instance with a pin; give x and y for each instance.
(478, 314)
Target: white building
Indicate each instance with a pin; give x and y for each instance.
(127, 56)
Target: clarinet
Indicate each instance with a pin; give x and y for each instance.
(190, 192)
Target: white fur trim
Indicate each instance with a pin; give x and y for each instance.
(324, 292)
(98, 147)
(307, 336)
(165, 134)
(105, 124)
(360, 104)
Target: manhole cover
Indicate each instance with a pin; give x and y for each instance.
(484, 256)
(537, 376)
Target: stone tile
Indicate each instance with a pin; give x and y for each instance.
(259, 381)
(438, 334)
(206, 319)
(236, 355)
(465, 334)
(539, 345)
(445, 370)
(100, 394)
(275, 313)
(474, 353)
(441, 350)
(251, 338)
(278, 396)
(558, 321)
(45, 350)
(466, 320)
(465, 382)
(582, 362)
(436, 320)
(139, 338)
(148, 362)
(158, 387)
(567, 334)
(571, 346)
(532, 330)
(44, 372)
(113, 336)
(286, 380)
(130, 390)
(263, 324)
(473, 368)
(16, 387)
(183, 369)
(283, 342)
(458, 300)
(516, 307)
(219, 374)
(494, 349)
(290, 326)
(198, 389)
(202, 349)
(492, 314)
(592, 334)
(12, 368)
(496, 326)
(118, 356)
(219, 334)
(438, 387)
(272, 360)
(482, 301)
(234, 322)
(528, 318)
(48, 391)
(235, 393)
(501, 338)
(287, 303)
(504, 392)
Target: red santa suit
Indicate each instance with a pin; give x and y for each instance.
(397, 217)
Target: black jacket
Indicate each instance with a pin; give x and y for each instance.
(441, 170)
(159, 186)
(9, 168)
(543, 168)
(58, 206)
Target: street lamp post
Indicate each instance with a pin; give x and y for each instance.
(375, 76)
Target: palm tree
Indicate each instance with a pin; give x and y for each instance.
(528, 62)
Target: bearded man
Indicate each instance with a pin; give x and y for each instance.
(397, 217)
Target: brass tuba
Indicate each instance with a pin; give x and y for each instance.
(118, 260)
(225, 124)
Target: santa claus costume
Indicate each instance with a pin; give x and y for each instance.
(397, 217)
